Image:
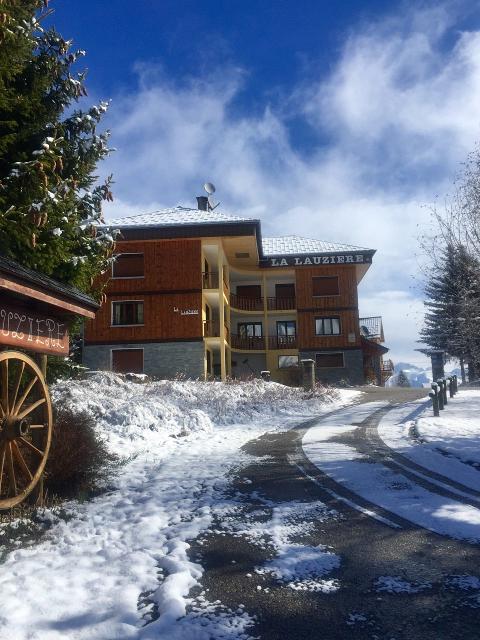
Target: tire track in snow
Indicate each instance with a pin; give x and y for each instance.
(359, 463)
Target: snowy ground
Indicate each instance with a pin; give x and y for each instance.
(121, 560)
(429, 474)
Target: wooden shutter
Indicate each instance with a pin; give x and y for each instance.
(128, 265)
(327, 360)
(251, 291)
(127, 360)
(285, 291)
(325, 286)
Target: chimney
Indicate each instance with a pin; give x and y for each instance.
(202, 203)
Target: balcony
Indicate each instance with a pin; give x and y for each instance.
(209, 280)
(251, 343)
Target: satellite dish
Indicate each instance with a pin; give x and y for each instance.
(209, 188)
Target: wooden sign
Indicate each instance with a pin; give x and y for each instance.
(24, 328)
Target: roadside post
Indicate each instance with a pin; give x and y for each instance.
(435, 401)
(451, 392)
(444, 391)
(439, 391)
(308, 374)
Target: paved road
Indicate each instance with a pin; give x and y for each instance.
(280, 473)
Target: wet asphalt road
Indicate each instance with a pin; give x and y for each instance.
(280, 473)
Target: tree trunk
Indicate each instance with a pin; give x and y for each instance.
(462, 371)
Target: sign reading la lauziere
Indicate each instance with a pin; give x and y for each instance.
(301, 261)
(25, 328)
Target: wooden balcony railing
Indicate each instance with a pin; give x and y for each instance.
(259, 344)
(211, 329)
(246, 304)
(256, 304)
(209, 280)
(247, 343)
(282, 342)
(280, 304)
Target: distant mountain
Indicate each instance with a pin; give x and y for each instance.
(417, 376)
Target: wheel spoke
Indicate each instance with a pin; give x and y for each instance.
(30, 408)
(21, 461)
(31, 446)
(2, 462)
(20, 375)
(37, 426)
(4, 401)
(25, 394)
(11, 470)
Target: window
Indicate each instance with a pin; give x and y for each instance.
(325, 286)
(327, 326)
(127, 313)
(250, 329)
(332, 359)
(128, 265)
(127, 360)
(287, 361)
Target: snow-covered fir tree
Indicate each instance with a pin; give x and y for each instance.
(452, 319)
(402, 379)
(50, 197)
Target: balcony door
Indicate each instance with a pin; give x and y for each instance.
(251, 334)
(286, 332)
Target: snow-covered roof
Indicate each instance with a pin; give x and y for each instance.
(372, 326)
(176, 216)
(295, 245)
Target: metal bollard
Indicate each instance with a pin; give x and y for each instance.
(455, 378)
(434, 397)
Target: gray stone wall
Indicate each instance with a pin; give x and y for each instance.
(160, 359)
(257, 362)
(352, 372)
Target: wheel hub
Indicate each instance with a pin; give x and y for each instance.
(13, 428)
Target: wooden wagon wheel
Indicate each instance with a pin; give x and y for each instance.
(25, 426)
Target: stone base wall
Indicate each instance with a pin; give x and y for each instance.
(352, 372)
(160, 359)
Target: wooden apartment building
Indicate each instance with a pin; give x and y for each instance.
(200, 293)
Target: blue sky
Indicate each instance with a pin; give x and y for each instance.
(342, 121)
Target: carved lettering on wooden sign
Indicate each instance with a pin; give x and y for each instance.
(22, 327)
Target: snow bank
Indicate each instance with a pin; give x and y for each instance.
(134, 416)
(457, 430)
(122, 560)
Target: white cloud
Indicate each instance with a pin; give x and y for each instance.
(400, 112)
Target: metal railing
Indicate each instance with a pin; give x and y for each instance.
(209, 280)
